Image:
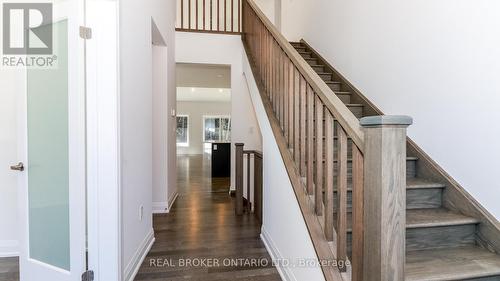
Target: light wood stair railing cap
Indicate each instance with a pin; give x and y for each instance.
(386, 120)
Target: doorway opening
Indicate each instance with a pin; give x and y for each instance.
(203, 124)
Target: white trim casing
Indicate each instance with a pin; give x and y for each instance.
(103, 141)
(171, 201)
(9, 248)
(135, 263)
(164, 207)
(160, 207)
(285, 272)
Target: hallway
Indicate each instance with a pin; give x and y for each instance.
(202, 228)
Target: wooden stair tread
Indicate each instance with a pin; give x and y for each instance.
(423, 218)
(420, 183)
(418, 218)
(451, 264)
(411, 183)
(350, 159)
(346, 104)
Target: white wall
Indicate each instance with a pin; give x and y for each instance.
(284, 230)
(435, 61)
(196, 111)
(136, 124)
(294, 17)
(268, 7)
(172, 102)
(12, 84)
(161, 116)
(277, 14)
(224, 49)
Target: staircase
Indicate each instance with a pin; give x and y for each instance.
(443, 241)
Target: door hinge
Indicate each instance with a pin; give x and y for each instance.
(85, 32)
(88, 275)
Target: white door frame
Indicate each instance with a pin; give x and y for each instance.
(103, 144)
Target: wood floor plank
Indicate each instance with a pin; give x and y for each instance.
(202, 225)
(9, 269)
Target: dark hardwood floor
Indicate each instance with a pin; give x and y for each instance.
(9, 269)
(202, 228)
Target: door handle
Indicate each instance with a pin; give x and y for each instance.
(18, 167)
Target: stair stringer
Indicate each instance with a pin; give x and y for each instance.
(455, 197)
(322, 247)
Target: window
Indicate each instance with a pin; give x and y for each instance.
(182, 130)
(216, 129)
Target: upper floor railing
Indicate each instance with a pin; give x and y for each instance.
(213, 16)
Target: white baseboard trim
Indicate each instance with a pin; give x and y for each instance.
(171, 201)
(160, 207)
(9, 248)
(139, 256)
(164, 207)
(285, 272)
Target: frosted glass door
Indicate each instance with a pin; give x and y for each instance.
(48, 160)
(52, 138)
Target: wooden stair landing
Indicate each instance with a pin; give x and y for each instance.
(441, 244)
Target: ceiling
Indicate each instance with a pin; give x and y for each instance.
(203, 75)
(203, 94)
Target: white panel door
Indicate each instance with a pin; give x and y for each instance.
(52, 185)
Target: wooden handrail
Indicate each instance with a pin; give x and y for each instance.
(343, 115)
(318, 138)
(255, 152)
(306, 115)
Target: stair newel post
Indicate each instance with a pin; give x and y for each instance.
(384, 197)
(239, 178)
